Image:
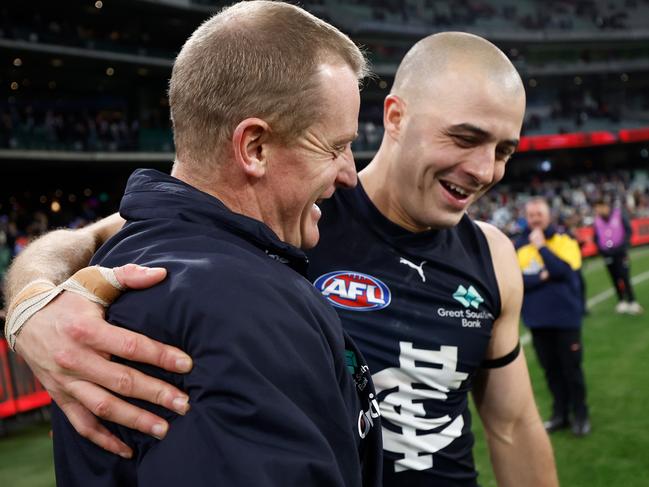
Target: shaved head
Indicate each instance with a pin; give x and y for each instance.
(452, 121)
(437, 56)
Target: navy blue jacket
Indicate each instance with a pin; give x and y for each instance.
(273, 402)
(556, 302)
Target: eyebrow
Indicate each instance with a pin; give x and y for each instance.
(344, 139)
(481, 133)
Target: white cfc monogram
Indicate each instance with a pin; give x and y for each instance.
(403, 407)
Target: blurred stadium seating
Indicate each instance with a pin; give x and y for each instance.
(84, 86)
(84, 98)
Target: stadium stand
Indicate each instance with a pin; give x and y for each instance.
(83, 84)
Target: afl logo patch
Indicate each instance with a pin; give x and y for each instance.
(353, 291)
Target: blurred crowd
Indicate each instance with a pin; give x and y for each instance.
(110, 130)
(70, 128)
(571, 200)
(529, 15)
(25, 216)
(135, 36)
(54, 27)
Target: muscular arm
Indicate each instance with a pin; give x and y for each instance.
(68, 343)
(59, 254)
(520, 450)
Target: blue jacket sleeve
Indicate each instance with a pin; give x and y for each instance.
(532, 281)
(556, 267)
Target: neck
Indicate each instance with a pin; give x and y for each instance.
(378, 180)
(232, 188)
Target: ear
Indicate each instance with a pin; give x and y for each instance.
(393, 113)
(248, 141)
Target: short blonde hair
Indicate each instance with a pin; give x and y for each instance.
(252, 59)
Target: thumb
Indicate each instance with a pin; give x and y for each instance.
(134, 276)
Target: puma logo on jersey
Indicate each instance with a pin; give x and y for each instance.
(419, 268)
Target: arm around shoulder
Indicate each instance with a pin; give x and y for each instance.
(67, 344)
(58, 254)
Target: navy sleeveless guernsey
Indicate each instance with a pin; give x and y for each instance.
(420, 306)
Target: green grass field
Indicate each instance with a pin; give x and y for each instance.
(616, 348)
(615, 454)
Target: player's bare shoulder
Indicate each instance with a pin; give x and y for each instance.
(496, 238)
(503, 256)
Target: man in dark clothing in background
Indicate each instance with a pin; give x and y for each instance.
(553, 310)
(613, 238)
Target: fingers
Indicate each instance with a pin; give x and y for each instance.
(102, 404)
(122, 380)
(130, 345)
(89, 427)
(138, 277)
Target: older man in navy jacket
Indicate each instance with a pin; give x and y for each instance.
(279, 395)
(553, 311)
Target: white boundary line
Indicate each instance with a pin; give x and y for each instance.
(594, 263)
(604, 295)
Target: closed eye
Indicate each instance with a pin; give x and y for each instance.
(504, 153)
(338, 150)
(465, 141)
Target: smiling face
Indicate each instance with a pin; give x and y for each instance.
(318, 161)
(537, 214)
(453, 146)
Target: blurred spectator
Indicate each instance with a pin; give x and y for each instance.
(612, 237)
(553, 311)
(571, 199)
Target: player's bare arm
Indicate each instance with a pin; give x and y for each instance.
(520, 449)
(68, 344)
(59, 254)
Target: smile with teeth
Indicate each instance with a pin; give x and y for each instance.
(455, 190)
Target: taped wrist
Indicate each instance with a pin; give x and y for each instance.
(31, 299)
(98, 284)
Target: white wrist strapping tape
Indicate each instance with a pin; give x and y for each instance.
(31, 299)
(98, 284)
(75, 286)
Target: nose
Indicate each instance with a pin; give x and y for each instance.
(347, 176)
(481, 165)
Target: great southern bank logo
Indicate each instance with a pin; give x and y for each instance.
(353, 291)
(468, 297)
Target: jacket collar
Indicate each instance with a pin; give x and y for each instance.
(152, 194)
